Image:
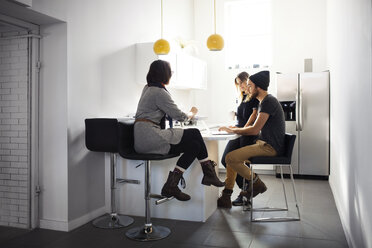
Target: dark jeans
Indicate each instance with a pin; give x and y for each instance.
(236, 144)
(192, 146)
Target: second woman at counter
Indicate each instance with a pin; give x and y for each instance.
(149, 137)
(246, 114)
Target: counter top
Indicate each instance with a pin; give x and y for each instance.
(203, 127)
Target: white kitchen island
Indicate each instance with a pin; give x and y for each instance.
(203, 203)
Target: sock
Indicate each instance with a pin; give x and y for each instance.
(179, 169)
(204, 160)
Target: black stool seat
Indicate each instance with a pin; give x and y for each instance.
(142, 156)
(126, 146)
(270, 160)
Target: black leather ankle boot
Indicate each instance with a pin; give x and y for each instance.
(210, 177)
(170, 187)
(224, 201)
(259, 187)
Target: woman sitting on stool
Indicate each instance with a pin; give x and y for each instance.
(150, 135)
(246, 115)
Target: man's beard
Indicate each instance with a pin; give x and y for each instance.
(254, 94)
(248, 97)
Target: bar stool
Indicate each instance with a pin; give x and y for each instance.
(147, 232)
(101, 135)
(284, 160)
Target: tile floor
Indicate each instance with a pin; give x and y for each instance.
(319, 227)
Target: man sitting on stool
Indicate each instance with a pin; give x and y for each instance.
(270, 128)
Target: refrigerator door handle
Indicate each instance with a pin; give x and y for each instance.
(297, 112)
(300, 110)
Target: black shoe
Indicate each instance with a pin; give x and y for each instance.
(170, 187)
(210, 177)
(259, 187)
(224, 201)
(239, 201)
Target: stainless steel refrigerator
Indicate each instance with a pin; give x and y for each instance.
(305, 101)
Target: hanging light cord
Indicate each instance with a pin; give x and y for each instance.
(214, 16)
(162, 19)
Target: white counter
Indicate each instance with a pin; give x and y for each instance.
(203, 198)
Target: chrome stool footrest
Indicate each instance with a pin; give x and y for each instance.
(161, 198)
(275, 219)
(268, 209)
(131, 181)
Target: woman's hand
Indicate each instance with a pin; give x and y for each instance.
(227, 129)
(192, 112)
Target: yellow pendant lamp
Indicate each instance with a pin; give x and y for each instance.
(215, 41)
(161, 46)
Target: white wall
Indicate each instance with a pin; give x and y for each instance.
(53, 167)
(299, 32)
(100, 82)
(349, 53)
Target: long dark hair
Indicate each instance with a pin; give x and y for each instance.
(159, 72)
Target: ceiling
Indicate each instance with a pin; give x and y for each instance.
(5, 27)
(25, 14)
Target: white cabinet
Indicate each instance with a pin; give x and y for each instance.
(188, 72)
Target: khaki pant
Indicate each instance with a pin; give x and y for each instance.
(235, 161)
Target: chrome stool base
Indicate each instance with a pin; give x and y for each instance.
(109, 221)
(143, 233)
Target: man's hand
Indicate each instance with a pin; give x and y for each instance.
(227, 129)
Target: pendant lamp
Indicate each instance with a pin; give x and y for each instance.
(161, 46)
(215, 41)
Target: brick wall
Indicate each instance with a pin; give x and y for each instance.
(14, 169)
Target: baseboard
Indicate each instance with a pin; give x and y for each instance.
(67, 226)
(86, 218)
(55, 225)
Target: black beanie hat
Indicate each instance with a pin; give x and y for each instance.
(261, 79)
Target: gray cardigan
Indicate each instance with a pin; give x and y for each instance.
(148, 137)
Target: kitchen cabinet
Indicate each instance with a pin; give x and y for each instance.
(189, 72)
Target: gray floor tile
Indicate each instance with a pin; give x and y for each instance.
(266, 241)
(35, 238)
(228, 239)
(234, 220)
(186, 235)
(330, 224)
(7, 233)
(320, 226)
(319, 243)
